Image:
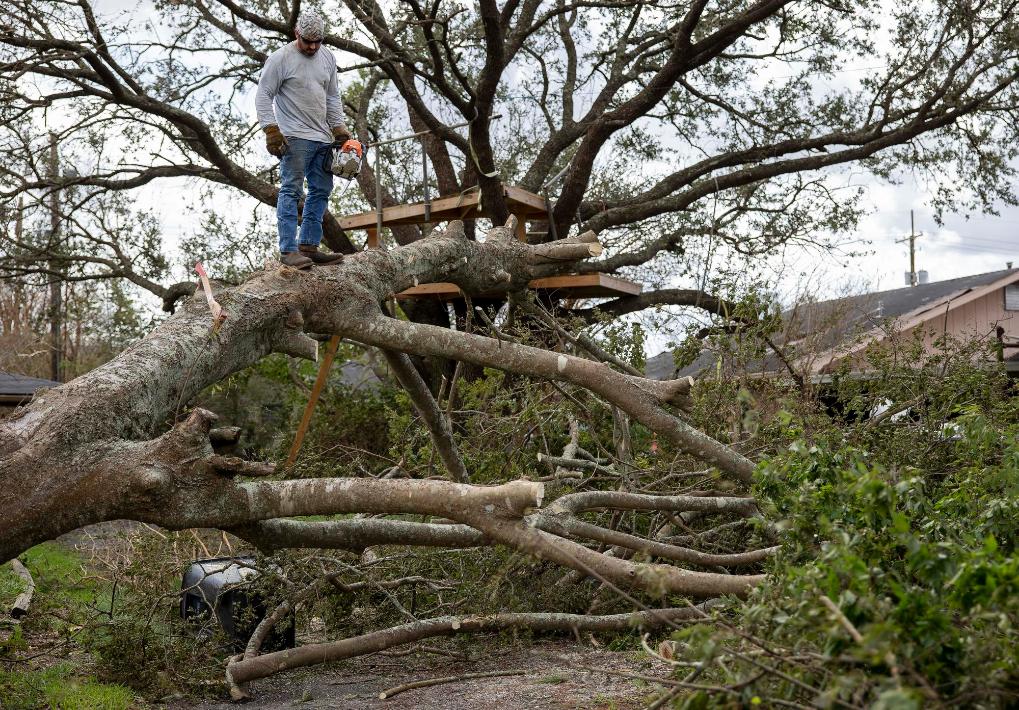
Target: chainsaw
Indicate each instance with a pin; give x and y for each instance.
(347, 159)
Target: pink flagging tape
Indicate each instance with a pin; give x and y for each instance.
(218, 316)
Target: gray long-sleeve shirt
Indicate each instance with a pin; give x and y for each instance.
(305, 92)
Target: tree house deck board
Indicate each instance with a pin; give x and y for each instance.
(522, 203)
(575, 285)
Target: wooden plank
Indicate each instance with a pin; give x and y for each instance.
(528, 201)
(571, 285)
(443, 209)
(521, 232)
(438, 288)
(441, 290)
(309, 409)
(596, 284)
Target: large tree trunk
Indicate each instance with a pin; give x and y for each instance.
(118, 443)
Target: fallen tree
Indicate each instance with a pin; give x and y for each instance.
(120, 443)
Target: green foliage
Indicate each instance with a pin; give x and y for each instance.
(626, 341)
(921, 562)
(65, 599)
(354, 423)
(141, 642)
(58, 688)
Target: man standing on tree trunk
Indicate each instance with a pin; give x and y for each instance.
(308, 118)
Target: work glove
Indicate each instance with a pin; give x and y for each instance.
(275, 143)
(340, 134)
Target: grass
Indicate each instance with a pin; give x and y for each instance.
(59, 577)
(63, 595)
(57, 687)
(553, 679)
(11, 585)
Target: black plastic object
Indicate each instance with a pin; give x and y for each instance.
(223, 585)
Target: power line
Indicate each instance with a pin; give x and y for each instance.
(978, 250)
(968, 239)
(974, 241)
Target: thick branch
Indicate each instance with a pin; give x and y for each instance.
(621, 390)
(428, 408)
(358, 534)
(245, 670)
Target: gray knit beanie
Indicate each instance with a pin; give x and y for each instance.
(311, 26)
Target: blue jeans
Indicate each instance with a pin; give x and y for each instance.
(303, 159)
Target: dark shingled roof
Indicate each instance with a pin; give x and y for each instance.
(21, 386)
(854, 315)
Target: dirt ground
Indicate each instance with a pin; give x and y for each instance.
(556, 675)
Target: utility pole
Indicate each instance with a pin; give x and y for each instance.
(912, 248)
(56, 282)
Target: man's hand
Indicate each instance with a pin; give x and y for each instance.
(275, 142)
(341, 134)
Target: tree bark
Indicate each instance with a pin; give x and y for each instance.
(241, 671)
(115, 443)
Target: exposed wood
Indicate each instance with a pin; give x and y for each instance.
(520, 231)
(24, 600)
(589, 285)
(442, 290)
(524, 206)
(309, 409)
(442, 209)
(576, 285)
(520, 196)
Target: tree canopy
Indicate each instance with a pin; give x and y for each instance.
(662, 126)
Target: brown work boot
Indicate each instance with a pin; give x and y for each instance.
(292, 258)
(320, 258)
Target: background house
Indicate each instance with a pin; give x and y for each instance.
(16, 390)
(818, 337)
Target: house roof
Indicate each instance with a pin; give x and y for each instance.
(14, 387)
(901, 301)
(830, 324)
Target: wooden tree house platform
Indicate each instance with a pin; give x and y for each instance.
(569, 286)
(526, 206)
(467, 205)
